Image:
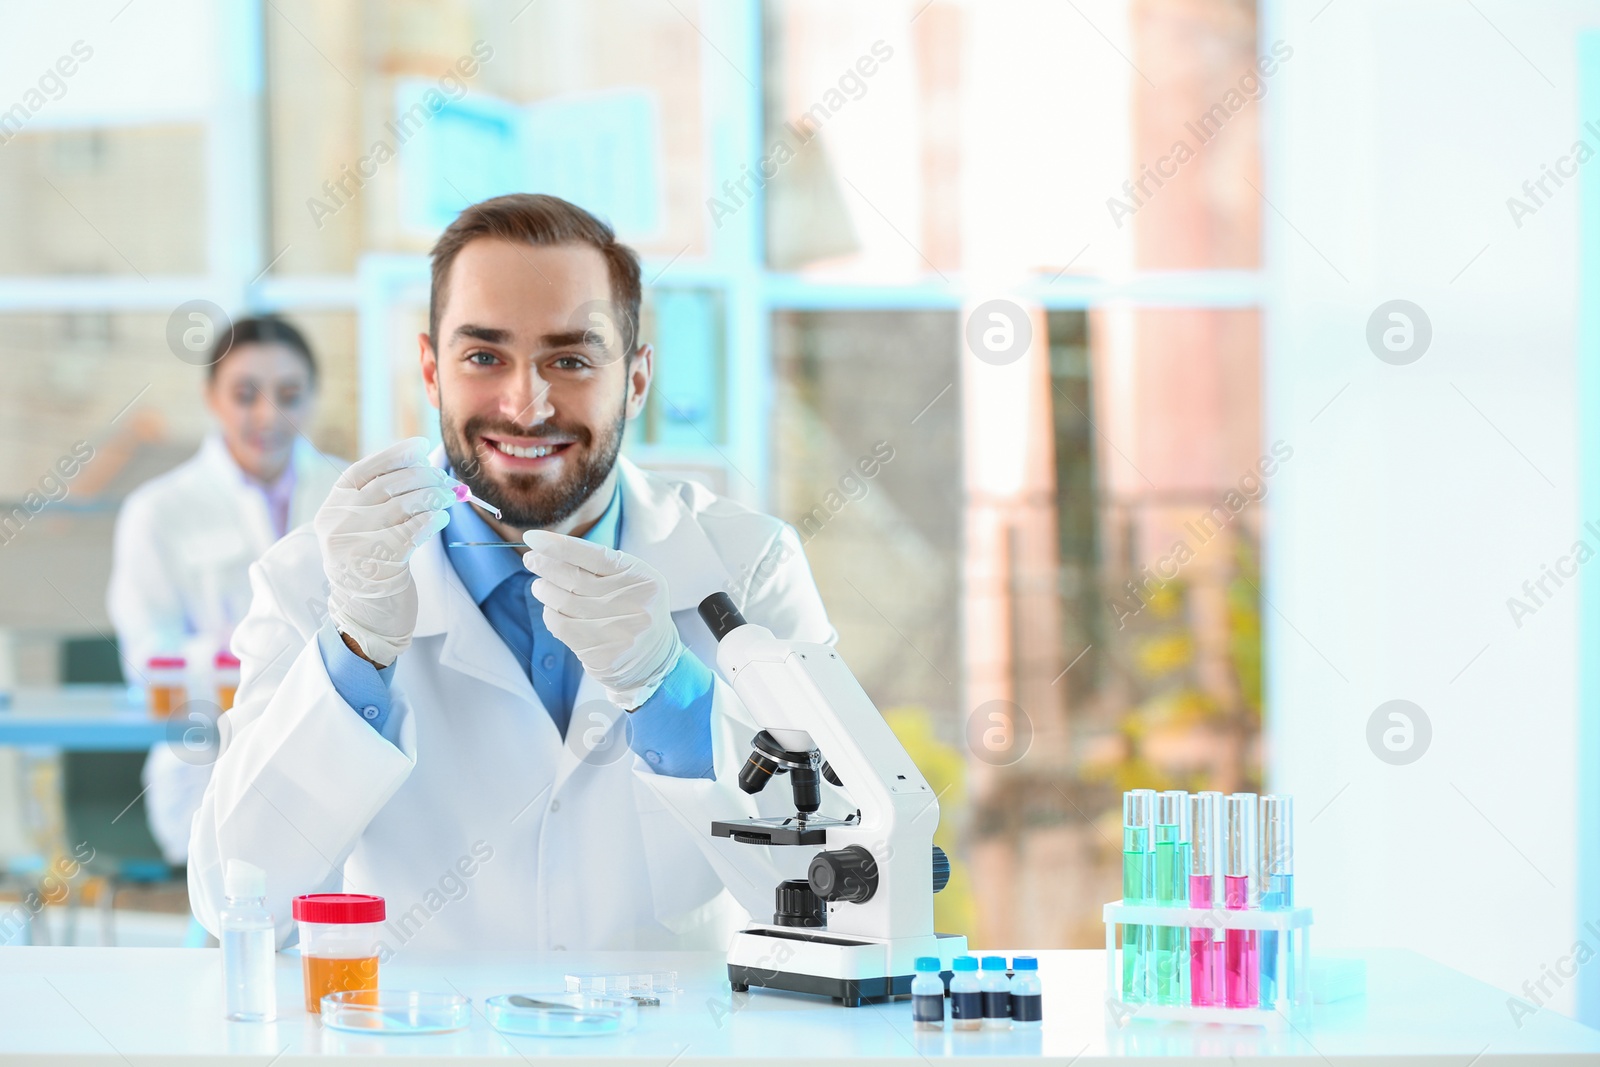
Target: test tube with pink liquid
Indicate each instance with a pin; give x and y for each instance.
(1241, 956)
(1205, 949)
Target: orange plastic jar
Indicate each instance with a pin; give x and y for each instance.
(339, 935)
(225, 670)
(166, 684)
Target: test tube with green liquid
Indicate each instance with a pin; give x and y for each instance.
(1138, 887)
(1169, 965)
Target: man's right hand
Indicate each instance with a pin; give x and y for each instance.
(377, 514)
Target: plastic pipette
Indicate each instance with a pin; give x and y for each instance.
(467, 496)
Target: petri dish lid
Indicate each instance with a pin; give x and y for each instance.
(395, 1011)
(560, 1014)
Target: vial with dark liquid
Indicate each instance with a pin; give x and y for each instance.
(966, 995)
(1027, 995)
(927, 995)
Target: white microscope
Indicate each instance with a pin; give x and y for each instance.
(876, 869)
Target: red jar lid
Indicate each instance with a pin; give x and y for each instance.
(226, 659)
(161, 662)
(338, 908)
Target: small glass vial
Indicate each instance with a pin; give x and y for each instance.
(927, 995)
(1027, 994)
(996, 989)
(225, 673)
(166, 684)
(250, 988)
(966, 995)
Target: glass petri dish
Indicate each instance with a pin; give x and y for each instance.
(395, 1011)
(560, 1014)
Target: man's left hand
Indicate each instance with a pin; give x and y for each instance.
(610, 608)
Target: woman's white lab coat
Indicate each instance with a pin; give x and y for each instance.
(180, 583)
(479, 826)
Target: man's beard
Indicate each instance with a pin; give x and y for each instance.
(530, 501)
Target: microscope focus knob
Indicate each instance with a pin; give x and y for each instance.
(797, 905)
(941, 869)
(847, 874)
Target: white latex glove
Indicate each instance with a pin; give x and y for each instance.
(610, 608)
(378, 512)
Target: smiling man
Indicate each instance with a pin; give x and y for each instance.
(515, 746)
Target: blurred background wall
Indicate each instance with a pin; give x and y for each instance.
(1091, 281)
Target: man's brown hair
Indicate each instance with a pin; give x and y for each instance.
(538, 219)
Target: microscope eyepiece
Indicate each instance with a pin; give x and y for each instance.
(720, 615)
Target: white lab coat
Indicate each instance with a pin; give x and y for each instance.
(479, 826)
(180, 583)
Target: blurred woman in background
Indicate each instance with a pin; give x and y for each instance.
(185, 540)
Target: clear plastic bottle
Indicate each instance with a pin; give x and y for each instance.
(250, 988)
(966, 995)
(1027, 994)
(996, 993)
(927, 995)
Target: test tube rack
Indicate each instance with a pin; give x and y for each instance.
(1293, 1001)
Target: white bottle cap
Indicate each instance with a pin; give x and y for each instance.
(244, 881)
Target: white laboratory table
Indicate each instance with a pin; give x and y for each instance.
(163, 1006)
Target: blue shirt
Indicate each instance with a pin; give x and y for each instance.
(671, 730)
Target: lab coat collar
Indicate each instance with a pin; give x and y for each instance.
(247, 498)
(444, 606)
(310, 484)
(215, 452)
(659, 528)
(314, 474)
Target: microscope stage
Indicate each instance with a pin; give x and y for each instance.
(789, 830)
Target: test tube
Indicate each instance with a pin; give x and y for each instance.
(1167, 964)
(1277, 891)
(1205, 951)
(1241, 965)
(1138, 886)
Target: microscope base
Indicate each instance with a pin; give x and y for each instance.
(849, 991)
(850, 970)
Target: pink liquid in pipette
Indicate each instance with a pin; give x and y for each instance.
(465, 494)
(1241, 962)
(1205, 951)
